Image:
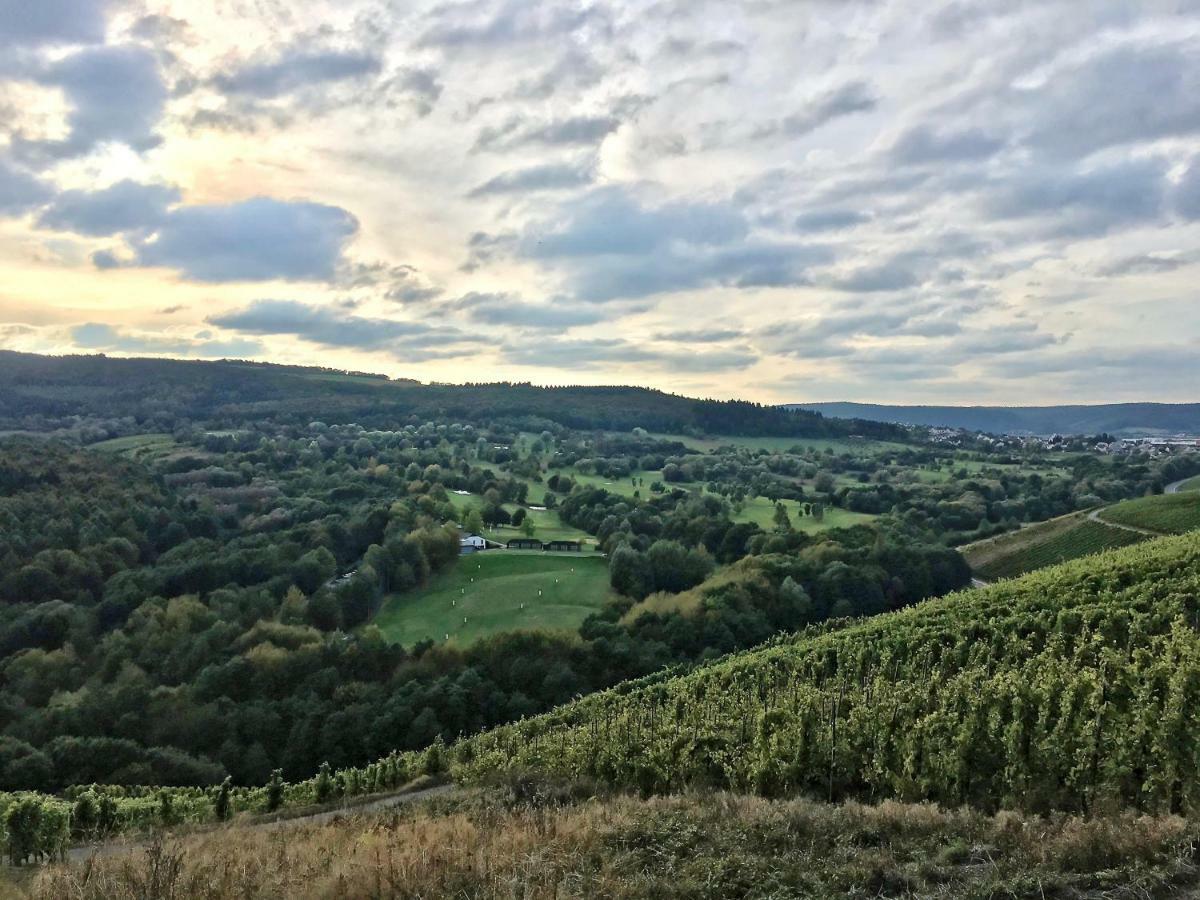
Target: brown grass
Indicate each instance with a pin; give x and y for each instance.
(495, 845)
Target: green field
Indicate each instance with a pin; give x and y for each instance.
(1192, 484)
(137, 445)
(1164, 513)
(1044, 544)
(761, 511)
(548, 525)
(487, 590)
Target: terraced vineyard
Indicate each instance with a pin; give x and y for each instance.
(1068, 688)
(1165, 513)
(1045, 544)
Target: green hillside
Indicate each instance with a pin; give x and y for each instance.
(1066, 689)
(1164, 513)
(498, 591)
(1044, 544)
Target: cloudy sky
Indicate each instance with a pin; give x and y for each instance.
(926, 201)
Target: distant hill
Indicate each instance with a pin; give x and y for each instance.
(1122, 419)
(45, 393)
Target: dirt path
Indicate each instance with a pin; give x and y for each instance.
(1094, 515)
(118, 846)
(1174, 486)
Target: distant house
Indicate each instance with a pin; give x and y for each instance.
(525, 543)
(563, 546)
(471, 543)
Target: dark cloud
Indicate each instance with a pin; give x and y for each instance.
(99, 336)
(255, 240)
(922, 144)
(125, 206)
(509, 309)
(296, 69)
(1186, 196)
(843, 100)
(115, 94)
(574, 131)
(421, 86)
(33, 23)
(602, 352)
(463, 25)
(104, 260)
(893, 275)
(700, 335)
(614, 247)
(1141, 264)
(1121, 95)
(829, 220)
(333, 328)
(1082, 202)
(400, 283)
(547, 177)
(20, 191)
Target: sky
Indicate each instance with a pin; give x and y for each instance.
(937, 201)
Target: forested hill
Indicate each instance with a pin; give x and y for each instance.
(42, 393)
(1126, 419)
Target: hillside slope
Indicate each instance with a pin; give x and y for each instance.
(1068, 688)
(162, 393)
(1128, 419)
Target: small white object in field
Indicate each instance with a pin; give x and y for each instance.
(464, 620)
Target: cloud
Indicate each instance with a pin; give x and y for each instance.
(115, 94)
(509, 309)
(296, 69)
(844, 100)
(333, 328)
(1082, 202)
(99, 336)
(546, 177)
(1186, 196)
(612, 246)
(922, 144)
(699, 335)
(255, 240)
(829, 220)
(19, 190)
(894, 275)
(604, 352)
(125, 206)
(459, 25)
(1142, 264)
(34, 23)
(1124, 94)
(573, 131)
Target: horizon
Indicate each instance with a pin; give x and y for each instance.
(940, 204)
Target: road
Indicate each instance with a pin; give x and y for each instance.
(116, 847)
(1174, 486)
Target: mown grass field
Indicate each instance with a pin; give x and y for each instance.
(1045, 544)
(1192, 484)
(1164, 513)
(488, 589)
(837, 445)
(761, 511)
(547, 524)
(137, 445)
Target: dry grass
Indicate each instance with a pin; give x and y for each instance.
(513, 844)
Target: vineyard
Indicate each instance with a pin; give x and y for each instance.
(1045, 544)
(1074, 688)
(1166, 514)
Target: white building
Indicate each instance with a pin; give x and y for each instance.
(471, 543)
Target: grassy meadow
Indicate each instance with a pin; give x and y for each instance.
(487, 590)
(1163, 513)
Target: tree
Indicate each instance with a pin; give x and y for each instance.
(527, 527)
(221, 801)
(474, 522)
(783, 522)
(275, 790)
(313, 569)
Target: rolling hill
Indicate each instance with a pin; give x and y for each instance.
(1122, 419)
